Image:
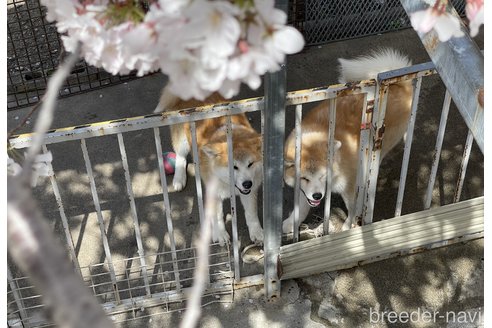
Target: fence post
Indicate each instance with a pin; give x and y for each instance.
(273, 170)
(460, 64)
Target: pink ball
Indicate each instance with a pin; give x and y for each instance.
(169, 162)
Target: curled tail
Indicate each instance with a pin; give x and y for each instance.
(368, 66)
(167, 101)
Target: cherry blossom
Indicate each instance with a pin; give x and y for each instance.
(445, 24)
(202, 45)
(475, 13)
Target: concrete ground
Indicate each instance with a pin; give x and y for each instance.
(447, 279)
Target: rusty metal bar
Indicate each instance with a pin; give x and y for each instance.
(461, 67)
(365, 134)
(375, 151)
(332, 103)
(181, 116)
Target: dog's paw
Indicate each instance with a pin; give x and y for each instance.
(288, 226)
(179, 181)
(256, 235)
(220, 236)
(347, 225)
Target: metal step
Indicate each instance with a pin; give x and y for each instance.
(407, 234)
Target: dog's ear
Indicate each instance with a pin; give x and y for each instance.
(211, 150)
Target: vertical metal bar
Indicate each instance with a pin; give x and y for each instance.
(297, 190)
(408, 145)
(167, 207)
(329, 169)
(437, 151)
(133, 209)
(100, 219)
(198, 180)
(375, 151)
(464, 165)
(232, 189)
(273, 160)
(458, 59)
(364, 148)
(63, 217)
(18, 299)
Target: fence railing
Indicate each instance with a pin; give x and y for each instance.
(161, 278)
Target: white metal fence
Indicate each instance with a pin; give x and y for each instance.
(159, 277)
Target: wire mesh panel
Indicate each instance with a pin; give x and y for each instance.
(332, 20)
(34, 50)
(25, 305)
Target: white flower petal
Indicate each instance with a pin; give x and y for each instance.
(448, 26)
(476, 23)
(230, 88)
(288, 40)
(423, 21)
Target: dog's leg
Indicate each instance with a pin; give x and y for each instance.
(288, 224)
(219, 232)
(250, 205)
(349, 199)
(182, 148)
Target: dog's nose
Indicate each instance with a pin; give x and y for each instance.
(317, 196)
(247, 184)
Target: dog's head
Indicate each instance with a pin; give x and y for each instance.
(247, 156)
(313, 168)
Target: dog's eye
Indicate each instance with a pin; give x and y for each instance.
(250, 164)
(305, 179)
(235, 167)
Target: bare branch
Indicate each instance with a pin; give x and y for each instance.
(31, 242)
(34, 249)
(45, 118)
(201, 271)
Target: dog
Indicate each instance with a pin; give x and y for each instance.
(213, 155)
(314, 140)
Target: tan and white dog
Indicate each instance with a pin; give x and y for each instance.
(213, 155)
(314, 139)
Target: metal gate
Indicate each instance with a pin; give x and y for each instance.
(142, 273)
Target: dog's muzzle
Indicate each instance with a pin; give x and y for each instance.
(313, 203)
(244, 191)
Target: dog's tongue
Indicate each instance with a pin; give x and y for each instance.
(315, 202)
